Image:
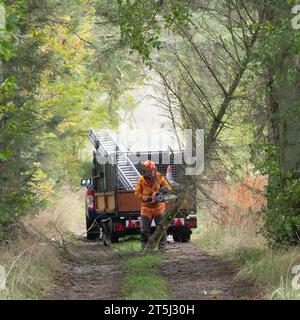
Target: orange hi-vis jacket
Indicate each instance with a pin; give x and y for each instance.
(144, 188)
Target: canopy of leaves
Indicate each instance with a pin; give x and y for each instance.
(59, 79)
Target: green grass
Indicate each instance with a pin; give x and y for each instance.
(142, 281)
(32, 275)
(272, 270)
(34, 264)
(127, 245)
(241, 245)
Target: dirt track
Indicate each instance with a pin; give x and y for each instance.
(193, 274)
(96, 276)
(190, 272)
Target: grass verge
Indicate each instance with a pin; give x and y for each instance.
(240, 244)
(31, 253)
(30, 265)
(142, 280)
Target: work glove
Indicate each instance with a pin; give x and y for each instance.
(147, 198)
(164, 190)
(159, 197)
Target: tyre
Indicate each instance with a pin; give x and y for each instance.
(92, 233)
(182, 235)
(109, 236)
(109, 239)
(175, 237)
(114, 238)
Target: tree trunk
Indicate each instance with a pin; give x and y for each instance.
(283, 98)
(166, 220)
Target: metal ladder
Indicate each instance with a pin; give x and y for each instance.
(127, 173)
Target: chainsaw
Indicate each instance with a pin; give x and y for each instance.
(160, 197)
(163, 195)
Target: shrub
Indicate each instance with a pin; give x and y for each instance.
(282, 217)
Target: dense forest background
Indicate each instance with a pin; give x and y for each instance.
(230, 67)
(62, 72)
(236, 75)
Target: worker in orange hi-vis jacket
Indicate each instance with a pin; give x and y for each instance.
(149, 184)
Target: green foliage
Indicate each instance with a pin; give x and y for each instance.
(20, 124)
(53, 91)
(282, 215)
(141, 23)
(139, 26)
(276, 55)
(266, 159)
(78, 170)
(282, 218)
(245, 132)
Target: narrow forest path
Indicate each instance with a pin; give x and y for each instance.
(189, 271)
(98, 272)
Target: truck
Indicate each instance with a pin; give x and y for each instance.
(112, 211)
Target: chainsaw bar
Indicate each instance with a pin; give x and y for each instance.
(165, 198)
(170, 197)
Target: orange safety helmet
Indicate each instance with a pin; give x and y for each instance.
(150, 165)
(149, 170)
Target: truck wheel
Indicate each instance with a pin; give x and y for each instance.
(111, 238)
(114, 238)
(109, 235)
(175, 236)
(182, 235)
(91, 233)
